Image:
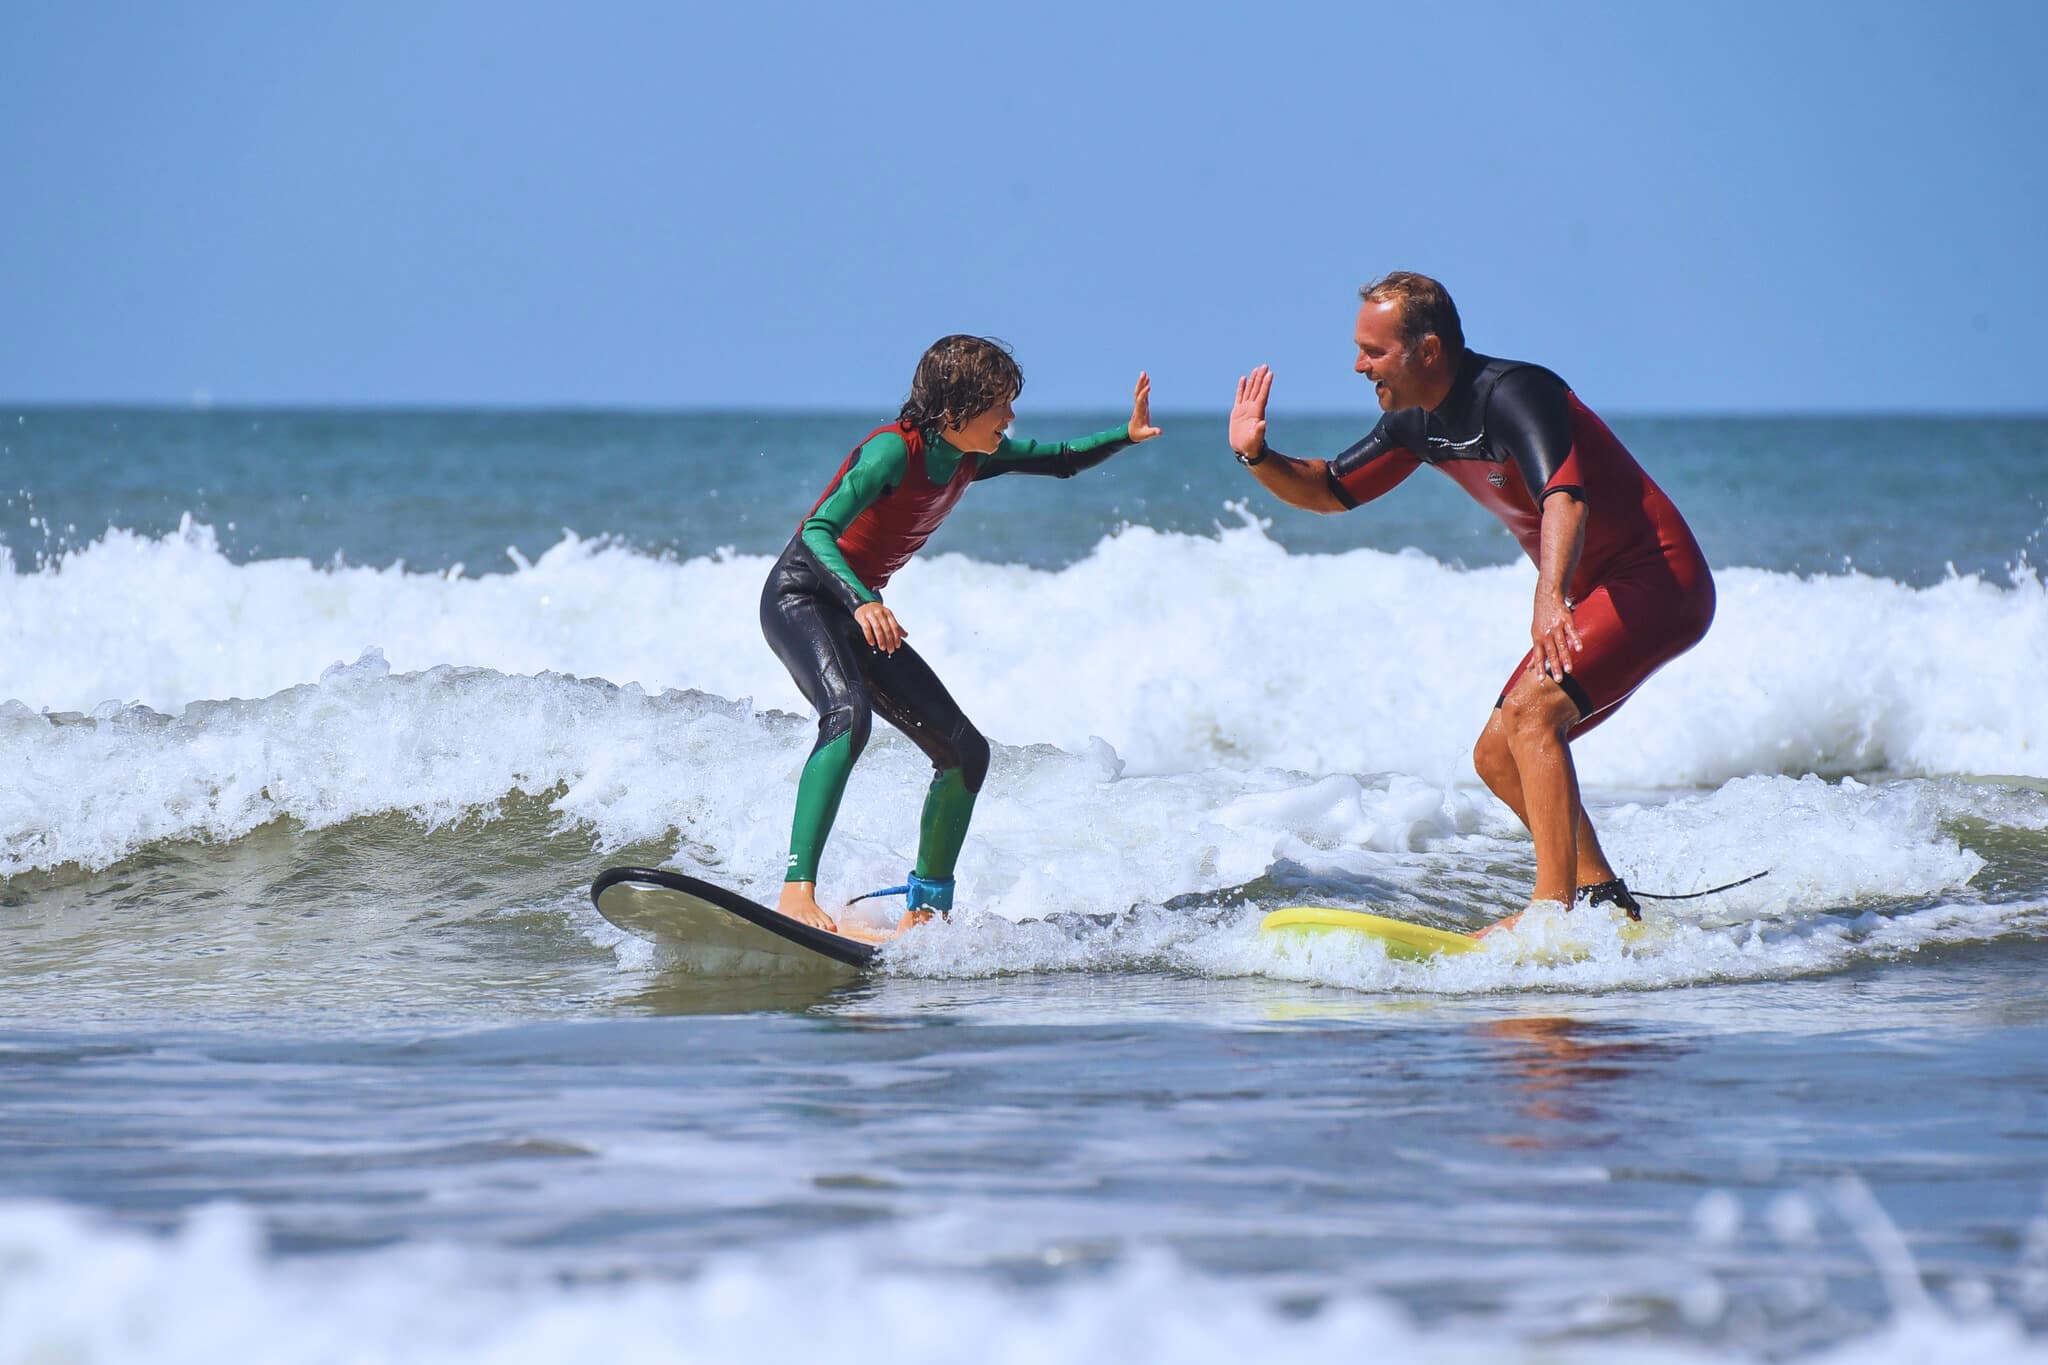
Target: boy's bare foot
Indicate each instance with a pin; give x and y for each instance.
(799, 901)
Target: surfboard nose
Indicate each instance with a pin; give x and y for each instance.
(719, 932)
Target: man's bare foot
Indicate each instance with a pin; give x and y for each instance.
(912, 918)
(799, 901)
(1511, 920)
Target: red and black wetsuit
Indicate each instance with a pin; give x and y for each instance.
(1512, 435)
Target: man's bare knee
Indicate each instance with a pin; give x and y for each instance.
(1491, 757)
(1536, 710)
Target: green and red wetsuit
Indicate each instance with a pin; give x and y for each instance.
(888, 497)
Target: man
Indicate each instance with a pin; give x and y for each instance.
(1621, 587)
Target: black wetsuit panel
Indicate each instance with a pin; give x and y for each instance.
(1497, 412)
(1056, 459)
(847, 679)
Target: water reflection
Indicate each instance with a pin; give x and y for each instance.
(1562, 1070)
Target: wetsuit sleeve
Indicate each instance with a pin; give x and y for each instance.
(1376, 464)
(1060, 459)
(880, 468)
(1530, 414)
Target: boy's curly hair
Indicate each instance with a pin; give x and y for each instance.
(959, 378)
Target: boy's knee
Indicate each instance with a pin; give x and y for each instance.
(853, 719)
(972, 751)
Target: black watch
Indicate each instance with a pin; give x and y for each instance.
(1249, 460)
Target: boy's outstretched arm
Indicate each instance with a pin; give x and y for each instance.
(1064, 459)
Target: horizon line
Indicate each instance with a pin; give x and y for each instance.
(561, 409)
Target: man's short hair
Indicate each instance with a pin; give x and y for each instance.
(1426, 309)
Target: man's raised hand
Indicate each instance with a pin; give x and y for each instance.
(1248, 416)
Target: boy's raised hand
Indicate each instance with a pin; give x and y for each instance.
(1141, 428)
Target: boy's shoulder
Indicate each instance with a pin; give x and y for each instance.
(888, 444)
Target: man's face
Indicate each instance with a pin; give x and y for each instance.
(1395, 371)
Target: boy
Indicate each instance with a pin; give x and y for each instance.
(823, 613)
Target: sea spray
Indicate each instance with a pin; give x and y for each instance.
(1183, 652)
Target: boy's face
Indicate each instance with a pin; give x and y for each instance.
(982, 434)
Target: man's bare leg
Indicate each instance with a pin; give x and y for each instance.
(1537, 715)
(1495, 763)
(1524, 758)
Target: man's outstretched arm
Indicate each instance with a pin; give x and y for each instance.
(1298, 483)
(1369, 468)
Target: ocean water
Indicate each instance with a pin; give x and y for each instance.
(314, 728)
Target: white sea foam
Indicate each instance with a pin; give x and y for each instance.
(74, 1290)
(1183, 652)
(1059, 837)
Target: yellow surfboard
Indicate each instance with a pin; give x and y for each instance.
(1410, 942)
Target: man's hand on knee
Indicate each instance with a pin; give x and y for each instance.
(1538, 704)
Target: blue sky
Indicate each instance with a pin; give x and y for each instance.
(1739, 207)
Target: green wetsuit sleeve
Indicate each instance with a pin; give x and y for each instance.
(1061, 459)
(881, 466)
